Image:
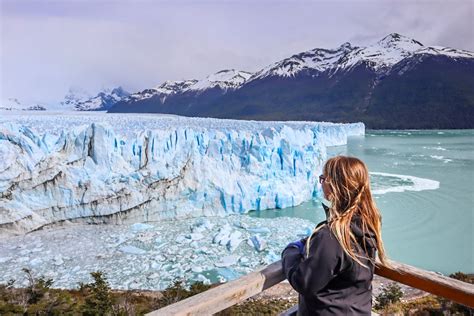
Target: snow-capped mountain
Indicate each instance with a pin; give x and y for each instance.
(229, 79)
(11, 104)
(36, 107)
(162, 91)
(224, 80)
(73, 97)
(103, 101)
(380, 56)
(428, 86)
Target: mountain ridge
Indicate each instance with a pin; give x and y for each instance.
(427, 85)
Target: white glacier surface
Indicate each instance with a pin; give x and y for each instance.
(122, 168)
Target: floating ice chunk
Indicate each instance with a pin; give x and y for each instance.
(259, 230)
(235, 238)
(307, 232)
(201, 225)
(227, 261)
(223, 236)
(182, 239)
(203, 279)
(58, 260)
(159, 246)
(195, 236)
(227, 273)
(155, 265)
(244, 261)
(196, 269)
(194, 244)
(257, 242)
(132, 250)
(153, 276)
(271, 257)
(241, 224)
(137, 227)
(5, 259)
(36, 261)
(203, 250)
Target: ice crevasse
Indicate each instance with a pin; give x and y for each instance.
(93, 174)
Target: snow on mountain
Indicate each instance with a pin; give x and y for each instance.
(172, 87)
(103, 101)
(224, 79)
(11, 104)
(381, 56)
(73, 97)
(317, 59)
(163, 91)
(445, 51)
(154, 168)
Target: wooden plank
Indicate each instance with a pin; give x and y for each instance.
(227, 294)
(231, 293)
(452, 289)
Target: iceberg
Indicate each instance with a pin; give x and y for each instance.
(257, 242)
(165, 168)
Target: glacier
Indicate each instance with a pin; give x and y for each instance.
(57, 168)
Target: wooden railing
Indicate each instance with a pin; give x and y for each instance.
(223, 296)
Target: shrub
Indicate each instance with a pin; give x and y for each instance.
(391, 294)
(455, 307)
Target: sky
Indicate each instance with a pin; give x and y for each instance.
(48, 47)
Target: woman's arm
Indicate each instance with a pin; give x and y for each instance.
(310, 275)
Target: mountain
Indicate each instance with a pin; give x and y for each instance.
(396, 82)
(73, 97)
(184, 95)
(13, 104)
(104, 100)
(36, 107)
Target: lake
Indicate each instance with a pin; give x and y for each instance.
(424, 182)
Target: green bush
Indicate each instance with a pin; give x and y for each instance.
(455, 307)
(391, 294)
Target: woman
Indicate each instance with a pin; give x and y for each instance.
(333, 269)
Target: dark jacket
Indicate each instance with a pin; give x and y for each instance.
(328, 280)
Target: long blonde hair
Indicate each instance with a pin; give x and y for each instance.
(349, 192)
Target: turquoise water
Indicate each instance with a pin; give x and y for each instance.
(424, 185)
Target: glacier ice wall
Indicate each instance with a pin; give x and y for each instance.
(93, 174)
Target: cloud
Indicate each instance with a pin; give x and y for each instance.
(47, 47)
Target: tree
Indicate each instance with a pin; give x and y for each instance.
(37, 288)
(98, 300)
(391, 294)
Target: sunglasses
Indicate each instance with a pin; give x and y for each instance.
(322, 179)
